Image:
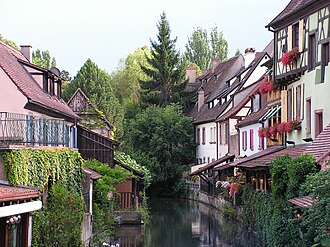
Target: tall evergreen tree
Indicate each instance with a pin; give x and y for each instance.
(95, 83)
(166, 69)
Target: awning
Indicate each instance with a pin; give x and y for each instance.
(213, 164)
(305, 201)
(271, 112)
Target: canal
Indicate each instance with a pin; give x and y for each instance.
(184, 223)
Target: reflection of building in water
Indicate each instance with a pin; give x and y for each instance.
(130, 236)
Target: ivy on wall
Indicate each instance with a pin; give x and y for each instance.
(38, 168)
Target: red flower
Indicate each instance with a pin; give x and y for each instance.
(290, 56)
(280, 127)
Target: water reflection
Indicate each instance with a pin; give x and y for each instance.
(184, 223)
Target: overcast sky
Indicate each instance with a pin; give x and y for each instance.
(108, 30)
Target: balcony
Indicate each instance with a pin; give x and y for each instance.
(20, 129)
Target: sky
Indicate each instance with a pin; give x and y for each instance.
(106, 31)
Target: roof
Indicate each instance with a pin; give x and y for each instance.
(206, 114)
(28, 86)
(94, 174)
(130, 169)
(213, 164)
(252, 118)
(9, 192)
(265, 157)
(305, 201)
(234, 110)
(320, 147)
(292, 8)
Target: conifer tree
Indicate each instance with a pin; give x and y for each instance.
(165, 69)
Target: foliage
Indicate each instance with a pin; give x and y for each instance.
(272, 216)
(10, 43)
(43, 59)
(284, 127)
(165, 70)
(59, 223)
(316, 219)
(65, 75)
(200, 49)
(95, 83)
(126, 79)
(162, 140)
(129, 161)
(267, 86)
(39, 168)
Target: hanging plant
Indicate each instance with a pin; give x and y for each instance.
(290, 56)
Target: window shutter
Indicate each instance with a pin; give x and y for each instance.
(260, 142)
(198, 136)
(203, 136)
(244, 141)
(251, 140)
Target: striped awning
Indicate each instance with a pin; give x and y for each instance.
(271, 112)
(305, 201)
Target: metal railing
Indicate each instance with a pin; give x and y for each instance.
(20, 129)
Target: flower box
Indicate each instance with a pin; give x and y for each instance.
(279, 128)
(289, 57)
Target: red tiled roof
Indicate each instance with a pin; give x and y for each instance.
(321, 145)
(252, 118)
(94, 175)
(14, 52)
(265, 157)
(305, 201)
(213, 164)
(29, 87)
(8, 192)
(293, 7)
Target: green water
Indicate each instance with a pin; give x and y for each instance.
(184, 223)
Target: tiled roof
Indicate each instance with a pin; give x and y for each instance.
(233, 111)
(94, 175)
(206, 115)
(252, 118)
(29, 87)
(294, 6)
(14, 52)
(321, 145)
(305, 201)
(8, 192)
(213, 164)
(265, 157)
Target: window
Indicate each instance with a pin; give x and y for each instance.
(220, 134)
(290, 104)
(298, 102)
(59, 89)
(311, 52)
(45, 83)
(226, 133)
(256, 103)
(295, 35)
(325, 60)
(318, 122)
(251, 140)
(308, 117)
(203, 136)
(198, 133)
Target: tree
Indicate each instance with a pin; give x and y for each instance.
(166, 69)
(200, 49)
(238, 52)
(162, 140)
(43, 59)
(126, 80)
(65, 75)
(10, 42)
(95, 83)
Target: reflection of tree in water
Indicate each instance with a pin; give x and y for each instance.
(184, 223)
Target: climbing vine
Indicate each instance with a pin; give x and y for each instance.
(38, 168)
(127, 160)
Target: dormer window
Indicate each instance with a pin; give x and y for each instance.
(45, 83)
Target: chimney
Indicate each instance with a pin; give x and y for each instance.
(215, 62)
(191, 74)
(27, 52)
(200, 98)
(250, 54)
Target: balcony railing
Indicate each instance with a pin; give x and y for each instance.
(20, 129)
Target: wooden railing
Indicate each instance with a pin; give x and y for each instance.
(125, 199)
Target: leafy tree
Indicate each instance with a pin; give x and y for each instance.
(162, 140)
(43, 59)
(201, 48)
(65, 75)
(126, 80)
(166, 69)
(95, 83)
(238, 52)
(9, 42)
